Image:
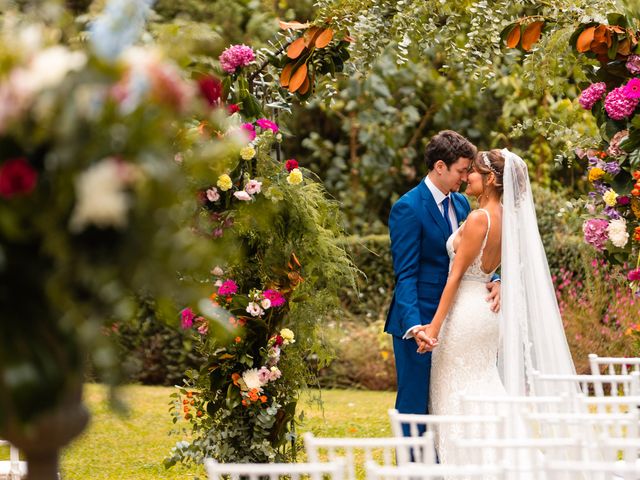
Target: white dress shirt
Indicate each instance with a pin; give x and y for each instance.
(439, 197)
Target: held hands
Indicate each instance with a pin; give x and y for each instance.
(494, 296)
(426, 337)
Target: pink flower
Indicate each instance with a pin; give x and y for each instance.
(618, 105)
(203, 327)
(211, 89)
(212, 194)
(228, 287)
(17, 177)
(595, 232)
(634, 275)
(242, 195)
(632, 88)
(253, 186)
(276, 298)
(249, 130)
(592, 94)
(264, 375)
(633, 64)
(265, 124)
(291, 164)
(236, 56)
(186, 318)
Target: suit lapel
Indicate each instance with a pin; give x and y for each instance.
(432, 207)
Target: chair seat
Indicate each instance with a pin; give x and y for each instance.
(5, 470)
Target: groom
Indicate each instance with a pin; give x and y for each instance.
(419, 225)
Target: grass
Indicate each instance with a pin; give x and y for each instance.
(132, 446)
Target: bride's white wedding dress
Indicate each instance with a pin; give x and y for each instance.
(465, 360)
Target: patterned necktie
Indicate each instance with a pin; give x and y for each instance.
(445, 206)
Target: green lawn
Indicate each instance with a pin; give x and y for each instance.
(132, 447)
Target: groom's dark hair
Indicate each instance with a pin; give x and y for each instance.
(448, 146)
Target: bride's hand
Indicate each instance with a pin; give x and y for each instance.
(494, 296)
(428, 339)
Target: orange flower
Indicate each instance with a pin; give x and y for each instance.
(238, 339)
(199, 413)
(186, 409)
(185, 401)
(263, 398)
(187, 416)
(228, 299)
(235, 377)
(253, 395)
(244, 402)
(636, 175)
(193, 402)
(636, 234)
(635, 192)
(189, 394)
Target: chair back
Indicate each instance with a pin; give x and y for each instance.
(274, 471)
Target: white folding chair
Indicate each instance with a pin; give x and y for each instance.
(12, 469)
(612, 366)
(622, 404)
(520, 457)
(570, 470)
(513, 408)
(626, 450)
(613, 385)
(358, 451)
(274, 471)
(416, 471)
(471, 426)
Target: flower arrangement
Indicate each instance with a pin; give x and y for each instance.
(92, 202)
(612, 224)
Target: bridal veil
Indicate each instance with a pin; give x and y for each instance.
(531, 329)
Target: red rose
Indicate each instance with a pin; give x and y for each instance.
(291, 164)
(279, 340)
(233, 108)
(17, 177)
(211, 89)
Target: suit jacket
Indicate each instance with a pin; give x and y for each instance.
(420, 261)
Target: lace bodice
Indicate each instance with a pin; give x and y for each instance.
(474, 272)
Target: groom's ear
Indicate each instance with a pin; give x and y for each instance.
(439, 166)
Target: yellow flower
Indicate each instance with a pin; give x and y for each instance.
(595, 174)
(610, 198)
(224, 182)
(247, 153)
(287, 335)
(295, 177)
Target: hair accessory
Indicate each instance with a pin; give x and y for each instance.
(487, 162)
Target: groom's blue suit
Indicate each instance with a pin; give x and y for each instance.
(419, 234)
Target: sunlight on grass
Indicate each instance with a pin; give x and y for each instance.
(133, 446)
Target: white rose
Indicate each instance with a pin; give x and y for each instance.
(617, 231)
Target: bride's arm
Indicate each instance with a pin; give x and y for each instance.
(473, 235)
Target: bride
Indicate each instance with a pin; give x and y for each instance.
(477, 351)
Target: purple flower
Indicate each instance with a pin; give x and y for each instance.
(595, 232)
(611, 167)
(228, 287)
(592, 94)
(236, 56)
(265, 124)
(276, 298)
(633, 64)
(600, 187)
(186, 318)
(611, 212)
(632, 88)
(618, 106)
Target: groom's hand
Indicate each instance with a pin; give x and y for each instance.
(425, 339)
(494, 296)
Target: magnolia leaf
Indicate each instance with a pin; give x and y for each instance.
(583, 43)
(295, 49)
(324, 38)
(531, 35)
(304, 88)
(297, 79)
(285, 76)
(294, 25)
(513, 37)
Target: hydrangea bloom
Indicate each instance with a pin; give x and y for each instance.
(633, 64)
(595, 232)
(618, 106)
(592, 94)
(228, 287)
(236, 56)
